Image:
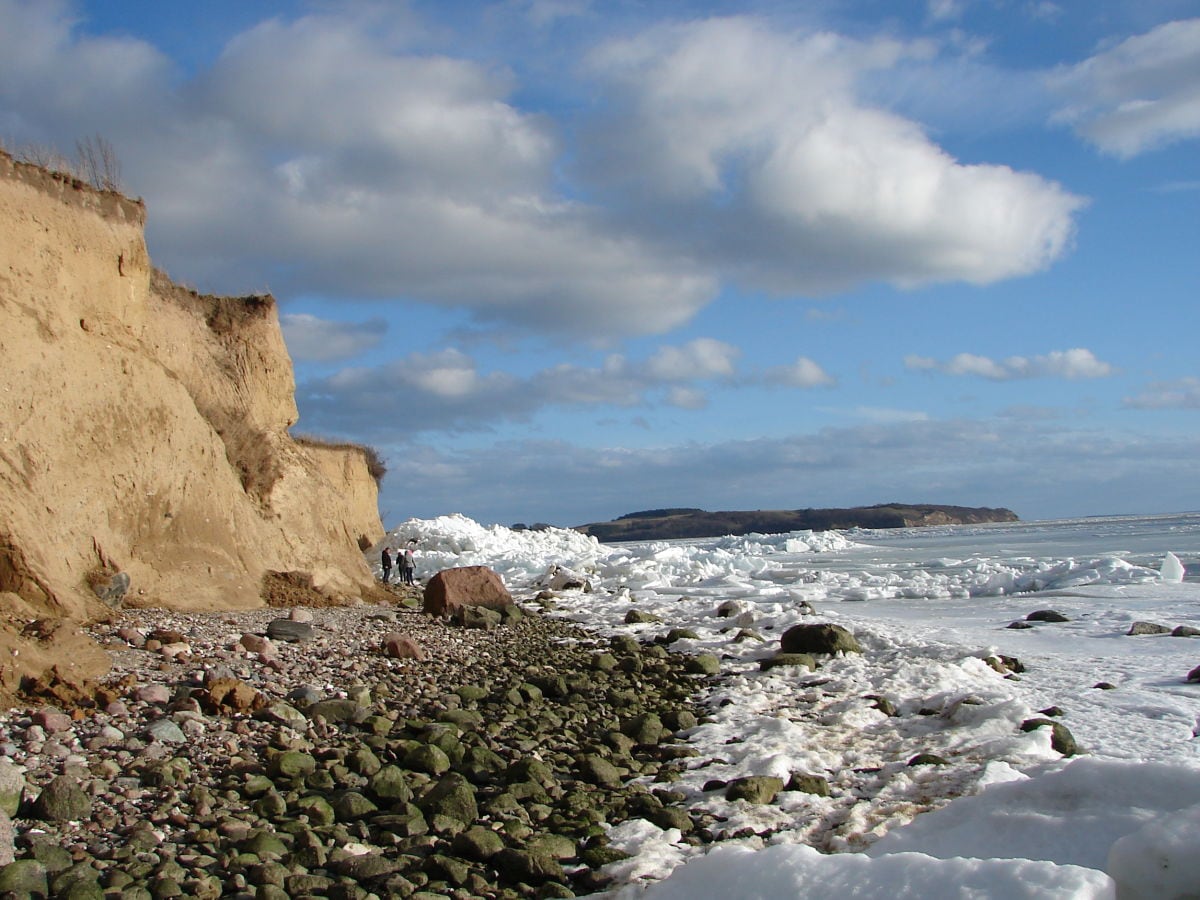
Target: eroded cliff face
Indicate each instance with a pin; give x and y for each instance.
(144, 428)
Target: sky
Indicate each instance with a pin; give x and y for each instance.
(561, 260)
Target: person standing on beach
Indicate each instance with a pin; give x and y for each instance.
(386, 562)
(408, 563)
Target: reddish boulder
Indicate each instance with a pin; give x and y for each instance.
(401, 646)
(451, 589)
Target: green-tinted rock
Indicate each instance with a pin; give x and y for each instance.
(390, 785)
(338, 711)
(703, 664)
(602, 856)
(597, 770)
(63, 800)
(263, 844)
(363, 761)
(553, 845)
(452, 870)
(477, 843)
(367, 866)
(466, 719)
(317, 809)
(809, 784)
(821, 638)
(452, 797)
(644, 729)
(640, 617)
(758, 789)
(428, 758)
(928, 759)
(351, 806)
(12, 787)
(527, 866)
(807, 660)
(291, 764)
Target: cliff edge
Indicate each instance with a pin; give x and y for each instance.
(144, 430)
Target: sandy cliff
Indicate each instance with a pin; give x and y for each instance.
(144, 428)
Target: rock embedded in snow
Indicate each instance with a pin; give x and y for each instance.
(1061, 739)
(1147, 628)
(1046, 615)
(823, 638)
(451, 589)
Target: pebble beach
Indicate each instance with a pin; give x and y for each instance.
(221, 762)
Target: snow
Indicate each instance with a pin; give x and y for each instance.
(1007, 815)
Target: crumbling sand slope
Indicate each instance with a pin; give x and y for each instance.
(144, 428)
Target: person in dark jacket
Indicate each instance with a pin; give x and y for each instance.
(407, 563)
(386, 561)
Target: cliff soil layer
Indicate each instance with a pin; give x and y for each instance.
(144, 430)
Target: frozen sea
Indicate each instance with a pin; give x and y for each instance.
(1005, 815)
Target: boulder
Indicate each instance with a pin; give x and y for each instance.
(63, 800)
(112, 588)
(12, 787)
(1061, 738)
(451, 589)
(401, 646)
(289, 631)
(1147, 628)
(8, 847)
(1046, 615)
(822, 638)
(757, 789)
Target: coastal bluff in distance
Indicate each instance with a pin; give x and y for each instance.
(673, 524)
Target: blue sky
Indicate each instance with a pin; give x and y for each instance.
(560, 260)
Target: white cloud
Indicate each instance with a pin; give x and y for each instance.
(803, 373)
(445, 391)
(1141, 94)
(312, 339)
(701, 358)
(1182, 393)
(752, 146)
(1072, 364)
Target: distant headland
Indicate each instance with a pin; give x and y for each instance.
(686, 522)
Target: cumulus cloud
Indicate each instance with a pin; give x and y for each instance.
(803, 373)
(313, 339)
(1140, 94)
(446, 391)
(405, 174)
(753, 146)
(1182, 393)
(726, 150)
(1072, 364)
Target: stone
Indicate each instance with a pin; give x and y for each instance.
(290, 631)
(1061, 739)
(390, 785)
(477, 843)
(1194, 675)
(400, 646)
(928, 759)
(63, 800)
(255, 643)
(464, 586)
(165, 731)
(595, 769)
(1019, 625)
(24, 878)
(807, 660)
(452, 797)
(821, 638)
(1046, 615)
(8, 839)
(338, 710)
(640, 617)
(52, 721)
(12, 787)
(1147, 628)
(528, 866)
(230, 696)
(757, 789)
(808, 784)
(156, 694)
(1185, 631)
(702, 664)
(479, 617)
(351, 806)
(112, 590)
